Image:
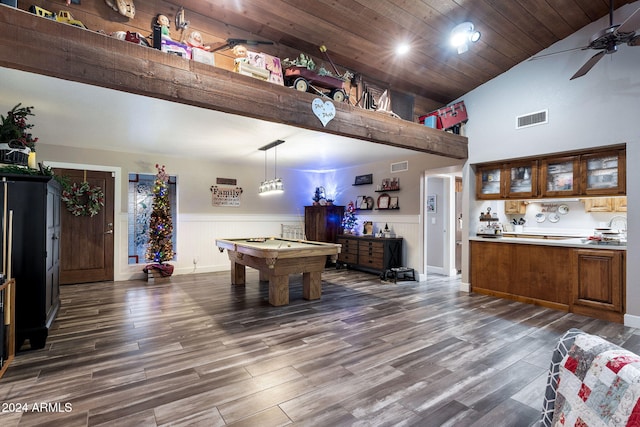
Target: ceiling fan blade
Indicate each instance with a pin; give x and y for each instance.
(533, 58)
(589, 65)
(631, 24)
(634, 41)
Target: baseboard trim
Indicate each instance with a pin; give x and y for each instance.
(465, 287)
(632, 321)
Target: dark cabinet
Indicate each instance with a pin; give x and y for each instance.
(374, 254)
(35, 202)
(323, 223)
(600, 172)
(598, 289)
(560, 176)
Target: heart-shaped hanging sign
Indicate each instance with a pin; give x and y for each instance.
(325, 111)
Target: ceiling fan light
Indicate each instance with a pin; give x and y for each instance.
(462, 34)
(459, 39)
(463, 48)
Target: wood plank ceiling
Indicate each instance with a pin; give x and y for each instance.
(361, 35)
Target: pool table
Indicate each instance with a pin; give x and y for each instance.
(277, 258)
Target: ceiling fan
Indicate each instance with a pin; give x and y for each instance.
(608, 40)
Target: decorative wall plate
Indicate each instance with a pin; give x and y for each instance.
(540, 217)
(554, 217)
(383, 201)
(563, 209)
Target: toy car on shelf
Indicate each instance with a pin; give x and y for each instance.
(42, 12)
(301, 78)
(301, 74)
(66, 17)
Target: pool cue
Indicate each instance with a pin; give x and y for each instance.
(7, 304)
(4, 228)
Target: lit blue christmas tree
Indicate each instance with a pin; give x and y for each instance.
(349, 220)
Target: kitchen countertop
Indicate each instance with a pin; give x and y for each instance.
(550, 240)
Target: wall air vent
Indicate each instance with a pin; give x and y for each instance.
(400, 166)
(532, 119)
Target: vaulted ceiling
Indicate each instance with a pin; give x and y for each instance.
(362, 35)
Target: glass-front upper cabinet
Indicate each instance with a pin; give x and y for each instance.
(560, 176)
(521, 179)
(488, 183)
(604, 173)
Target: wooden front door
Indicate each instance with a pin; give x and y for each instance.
(86, 242)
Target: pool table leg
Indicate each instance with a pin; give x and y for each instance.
(312, 285)
(238, 273)
(279, 289)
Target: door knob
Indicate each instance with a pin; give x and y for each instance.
(108, 232)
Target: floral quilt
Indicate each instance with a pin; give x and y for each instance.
(592, 382)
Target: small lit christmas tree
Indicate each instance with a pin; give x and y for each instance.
(160, 246)
(349, 220)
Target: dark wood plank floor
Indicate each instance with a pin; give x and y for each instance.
(198, 351)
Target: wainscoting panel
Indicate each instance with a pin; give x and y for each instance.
(196, 251)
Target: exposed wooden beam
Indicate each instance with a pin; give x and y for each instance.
(42, 46)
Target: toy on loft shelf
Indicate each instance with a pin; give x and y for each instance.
(241, 56)
(451, 117)
(132, 37)
(301, 74)
(66, 17)
(200, 52)
(162, 38)
(43, 13)
(163, 22)
(274, 66)
(63, 16)
(181, 23)
(195, 40)
(136, 38)
(249, 63)
(123, 7)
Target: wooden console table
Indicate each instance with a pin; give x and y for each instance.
(368, 253)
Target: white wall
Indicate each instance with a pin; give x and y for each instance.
(596, 110)
(435, 225)
(199, 223)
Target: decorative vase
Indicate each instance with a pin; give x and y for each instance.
(31, 161)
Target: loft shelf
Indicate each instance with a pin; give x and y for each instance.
(71, 53)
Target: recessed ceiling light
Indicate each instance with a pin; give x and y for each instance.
(402, 49)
